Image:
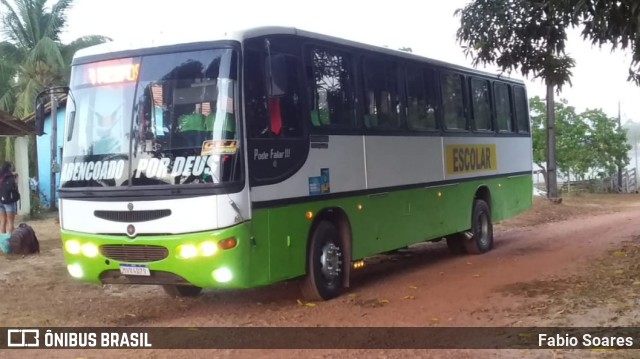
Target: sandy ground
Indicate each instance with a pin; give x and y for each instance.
(572, 264)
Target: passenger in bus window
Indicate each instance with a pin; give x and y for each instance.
(190, 126)
(220, 123)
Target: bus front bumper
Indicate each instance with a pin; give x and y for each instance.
(213, 259)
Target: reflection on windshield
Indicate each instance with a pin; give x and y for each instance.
(180, 127)
(101, 121)
(109, 129)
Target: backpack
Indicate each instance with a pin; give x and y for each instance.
(5, 247)
(24, 241)
(9, 190)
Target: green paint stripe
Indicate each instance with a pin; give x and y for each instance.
(273, 245)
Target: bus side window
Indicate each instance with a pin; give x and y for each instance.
(255, 95)
(282, 77)
(503, 107)
(331, 89)
(481, 105)
(453, 102)
(522, 116)
(383, 104)
(421, 104)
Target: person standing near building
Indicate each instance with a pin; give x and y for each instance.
(8, 188)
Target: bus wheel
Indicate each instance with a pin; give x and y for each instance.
(324, 266)
(455, 243)
(481, 240)
(182, 290)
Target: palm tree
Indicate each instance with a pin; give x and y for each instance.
(33, 57)
(34, 51)
(7, 85)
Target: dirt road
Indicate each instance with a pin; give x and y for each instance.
(572, 264)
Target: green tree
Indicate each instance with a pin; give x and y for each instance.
(589, 143)
(573, 153)
(32, 57)
(7, 101)
(33, 49)
(573, 148)
(616, 23)
(7, 84)
(608, 142)
(528, 36)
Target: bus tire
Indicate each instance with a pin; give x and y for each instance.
(455, 243)
(481, 239)
(182, 290)
(325, 262)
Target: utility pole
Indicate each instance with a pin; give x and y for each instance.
(619, 165)
(54, 150)
(635, 145)
(552, 180)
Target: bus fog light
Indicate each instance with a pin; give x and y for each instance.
(72, 246)
(89, 250)
(222, 275)
(187, 251)
(207, 249)
(75, 270)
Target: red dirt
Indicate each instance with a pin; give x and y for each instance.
(424, 286)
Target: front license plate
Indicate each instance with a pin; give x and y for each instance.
(132, 269)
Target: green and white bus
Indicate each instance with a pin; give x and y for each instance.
(274, 153)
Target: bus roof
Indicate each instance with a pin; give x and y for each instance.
(243, 34)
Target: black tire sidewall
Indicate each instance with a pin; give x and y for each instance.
(325, 233)
(480, 207)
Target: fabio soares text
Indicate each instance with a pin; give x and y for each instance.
(586, 340)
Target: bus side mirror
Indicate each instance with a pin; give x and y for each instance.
(42, 99)
(40, 115)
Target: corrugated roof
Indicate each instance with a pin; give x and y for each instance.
(12, 126)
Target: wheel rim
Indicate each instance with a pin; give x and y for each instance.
(331, 262)
(483, 230)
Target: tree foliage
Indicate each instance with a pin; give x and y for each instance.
(33, 56)
(530, 35)
(518, 34)
(589, 143)
(616, 23)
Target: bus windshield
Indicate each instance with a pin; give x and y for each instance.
(164, 119)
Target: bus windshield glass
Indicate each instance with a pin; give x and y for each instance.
(166, 119)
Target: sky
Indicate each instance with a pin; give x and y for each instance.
(428, 27)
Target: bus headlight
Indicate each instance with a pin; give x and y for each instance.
(72, 246)
(187, 251)
(207, 249)
(75, 270)
(89, 250)
(222, 275)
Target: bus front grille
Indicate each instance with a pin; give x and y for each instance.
(134, 253)
(133, 216)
